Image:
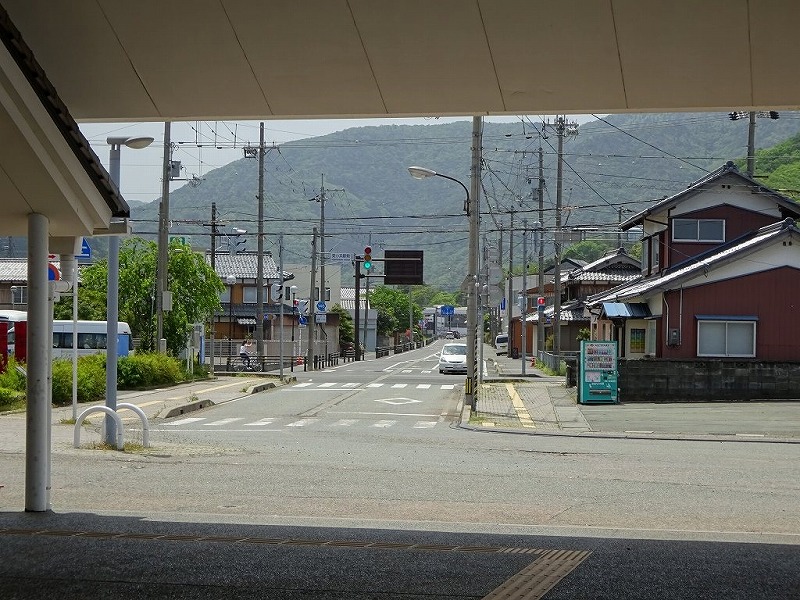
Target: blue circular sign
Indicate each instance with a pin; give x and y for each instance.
(302, 320)
(321, 306)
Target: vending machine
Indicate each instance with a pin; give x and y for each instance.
(598, 372)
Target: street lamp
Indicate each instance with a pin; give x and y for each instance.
(112, 297)
(470, 283)
(230, 280)
(423, 173)
(293, 289)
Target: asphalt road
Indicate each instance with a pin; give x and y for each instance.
(364, 501)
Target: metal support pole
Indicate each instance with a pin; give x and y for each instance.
(312, 303)
(280, 309)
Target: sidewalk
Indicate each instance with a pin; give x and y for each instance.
(536, 403)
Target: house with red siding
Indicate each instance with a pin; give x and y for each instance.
(720, 281)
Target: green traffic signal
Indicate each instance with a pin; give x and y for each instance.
(368, 258)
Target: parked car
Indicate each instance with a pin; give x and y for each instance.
(501, 344)
(449, 335)
(453, 358)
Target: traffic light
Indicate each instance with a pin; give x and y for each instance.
(540, 304)
(368, 258)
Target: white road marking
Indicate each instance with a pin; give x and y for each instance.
(261, 422)
(374, 385)
(299, 385)
(345, 422)
(424, 386)
(384, 423)
(186, 421)
(326, 385)
(350, 385)
(399, 385)
(448, 386)
(301, 423)
(424, 424)
(224, 422)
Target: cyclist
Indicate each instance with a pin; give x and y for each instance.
(244, 352)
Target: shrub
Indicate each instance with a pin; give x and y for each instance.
(91, 379)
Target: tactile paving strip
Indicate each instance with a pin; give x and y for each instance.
(539, 577)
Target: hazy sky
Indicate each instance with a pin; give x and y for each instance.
(202, 147)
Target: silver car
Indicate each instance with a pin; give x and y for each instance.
(453, 358)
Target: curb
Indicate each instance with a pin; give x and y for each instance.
(201, 404)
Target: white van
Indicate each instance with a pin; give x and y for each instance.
(501, 344)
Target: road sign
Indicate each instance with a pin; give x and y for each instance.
(447, 310)
(53, 274)
(302, 320)
(321, 318)
(321, 307)
(86, 251)
(344, 257)
(183, 239)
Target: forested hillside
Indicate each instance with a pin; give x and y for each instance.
(614, 166)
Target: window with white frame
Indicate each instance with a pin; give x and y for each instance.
(698, 230)
(726, 336)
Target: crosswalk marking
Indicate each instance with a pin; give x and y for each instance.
(188, 420)
(301, 423)
(224, 422)
(355, 385)
(203, 422)
(261, 422)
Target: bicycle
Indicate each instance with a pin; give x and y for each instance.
(241, 365)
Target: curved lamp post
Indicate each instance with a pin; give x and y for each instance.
(470, 391)
(112, 298)
(423, 173)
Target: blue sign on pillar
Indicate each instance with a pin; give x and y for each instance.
(86, 251)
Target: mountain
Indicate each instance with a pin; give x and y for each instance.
(614, 167)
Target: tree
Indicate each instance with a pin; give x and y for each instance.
(346, 328)
(392, 306)
(194, 285)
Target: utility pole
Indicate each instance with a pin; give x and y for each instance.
(312, 304)
(751, 145)
(280, 310)
(163, 241)
(357, 265)
(562, 128)
(524, 304)
(510, 301)
(470, 394)
(322, 238)
(260, 265)
(540, 323)
(213, 268)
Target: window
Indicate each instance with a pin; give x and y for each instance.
(726, 336)
(650, 338)
(637, 338)
(250, 294)
(19, 294)
(698, 230)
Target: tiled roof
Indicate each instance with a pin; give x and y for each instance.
(15, 270)
(570, 312)
(244, 265)
(347, 297)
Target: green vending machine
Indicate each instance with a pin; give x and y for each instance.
(598, 372)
